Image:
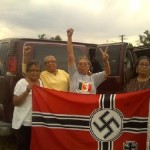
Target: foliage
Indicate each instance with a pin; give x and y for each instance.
(44, 37)
(145, 39)
(57, 37)
(130, 46)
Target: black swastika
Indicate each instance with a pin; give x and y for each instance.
(106, 124)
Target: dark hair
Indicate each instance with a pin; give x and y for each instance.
(140, 58)
(32, 62)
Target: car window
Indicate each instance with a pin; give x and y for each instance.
(3, 54)
(128, 66)
(95, 61)
(142, 52)
(114, 58)
(41, 50)
(60, 52)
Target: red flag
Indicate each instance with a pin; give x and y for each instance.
(70, 121)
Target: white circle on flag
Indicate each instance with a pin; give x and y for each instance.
(106, 124)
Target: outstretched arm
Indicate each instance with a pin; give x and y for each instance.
(105, 58)
(71, 59)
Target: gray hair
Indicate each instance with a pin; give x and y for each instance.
(85, 58)
(49, 56)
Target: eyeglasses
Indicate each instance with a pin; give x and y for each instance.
(144, 65)
(50, 61)
(34, 71)
(83, 64)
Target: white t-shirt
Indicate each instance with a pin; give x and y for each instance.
(22, 114)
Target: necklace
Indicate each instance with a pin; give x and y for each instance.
(142, 85)
(143, 79)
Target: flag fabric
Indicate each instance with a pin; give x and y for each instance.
(71, 121)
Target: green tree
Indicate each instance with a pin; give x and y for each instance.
(130, 46)
(57, 38)
(44, 37)
(145, 39)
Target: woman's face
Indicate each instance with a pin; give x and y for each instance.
(34, 72)
(50, 64)
(143, 67)
(83, 66)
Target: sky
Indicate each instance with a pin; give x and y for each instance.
(93, 21)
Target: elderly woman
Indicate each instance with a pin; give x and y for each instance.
(142, 79)
(22, 100)
(53, 77)
(81, 80)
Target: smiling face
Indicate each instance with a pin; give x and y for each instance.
(143, 67)
(83, 66)
(50, 64)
